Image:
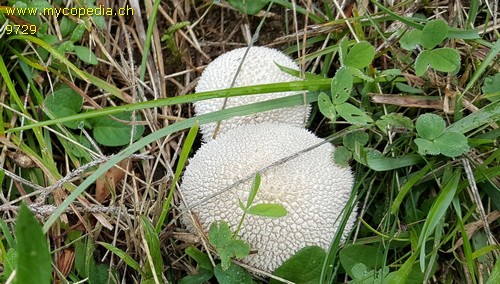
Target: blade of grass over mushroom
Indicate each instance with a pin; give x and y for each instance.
(307, 85)
(206, 118)
(186, 148)
(52, 51)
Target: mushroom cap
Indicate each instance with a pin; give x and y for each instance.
(310, 186)
(258, 68)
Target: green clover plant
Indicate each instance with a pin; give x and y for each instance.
(434, 139)
(440, 59)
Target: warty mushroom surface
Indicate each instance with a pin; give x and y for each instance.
(259, 67)
(312, 188)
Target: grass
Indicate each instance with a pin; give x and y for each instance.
(109, 207)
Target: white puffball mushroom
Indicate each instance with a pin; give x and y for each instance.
(311, 187)
(259, 67)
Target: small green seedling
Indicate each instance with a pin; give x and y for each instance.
(434, 139)
(227, 244)
(440, 59)
(264, 209)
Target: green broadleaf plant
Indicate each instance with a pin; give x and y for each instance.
(109, 131)
(440, 59)
(341, 87)
(233, 274)
(371, 257)
(434, 139)
(64, 102)
(303, 267)
(33, 255)
(353, 59)
(85, 54)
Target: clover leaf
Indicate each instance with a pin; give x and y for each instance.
(220, 236)
(65, 102)
(434, 33)
(360, 55)
(110, 131)
(434, 139)
(430, 126)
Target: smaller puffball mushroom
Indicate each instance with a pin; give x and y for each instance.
(259, 67)
(311, 187)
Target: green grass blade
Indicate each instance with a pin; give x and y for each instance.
(469, 259)
(153, 242)
(186, 148)
(495, 274)
(11, 242)
(206, 118)
(289, 5)
(486, 115)
(328, 268)
(123, 256)
(387, 163)
(407, 186)
(437, 212)
(310, 85)
(149, 35)
(52, 51)
(4, 73)
(101, 84)
(495, 50)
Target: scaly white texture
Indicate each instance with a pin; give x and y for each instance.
(311, 187)
(258, 68)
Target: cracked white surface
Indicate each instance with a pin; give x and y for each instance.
(311, 187)
(258, 68)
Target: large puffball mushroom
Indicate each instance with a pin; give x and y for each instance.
(259, 67)
(310, 186)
